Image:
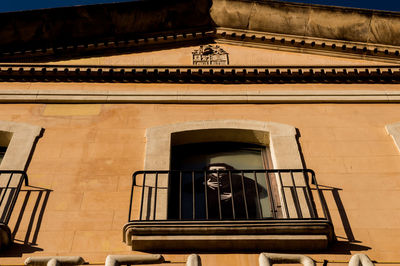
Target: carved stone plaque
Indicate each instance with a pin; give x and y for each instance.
(210, 55)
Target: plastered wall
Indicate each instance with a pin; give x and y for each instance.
(237, 56)
(80, 175)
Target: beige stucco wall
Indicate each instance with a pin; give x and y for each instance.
(81, 173)
(238, 55)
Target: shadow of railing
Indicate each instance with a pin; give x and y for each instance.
(26, 220)
(343, 245)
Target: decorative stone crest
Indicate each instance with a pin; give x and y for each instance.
(210, 55)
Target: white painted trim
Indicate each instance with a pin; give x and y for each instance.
(198, 96)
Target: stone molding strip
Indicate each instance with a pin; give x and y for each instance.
(200, 74)
(243, 97)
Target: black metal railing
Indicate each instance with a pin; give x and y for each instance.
(10, 186)
(193, 195)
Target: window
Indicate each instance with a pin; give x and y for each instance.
(237, 189)
(169, 209)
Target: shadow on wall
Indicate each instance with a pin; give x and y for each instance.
(343, 245)
(346, 244)
(26, 221)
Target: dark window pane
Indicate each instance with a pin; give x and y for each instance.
(2, 153)
(218, 156)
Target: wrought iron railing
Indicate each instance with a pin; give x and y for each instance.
(191, 195)
(10, 186)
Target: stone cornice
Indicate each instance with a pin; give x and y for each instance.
(311, 45)
(200, 74)
(166, 40)
(144, 96)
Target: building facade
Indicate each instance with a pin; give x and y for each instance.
(144, 132)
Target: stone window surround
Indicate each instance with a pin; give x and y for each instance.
(282, 234)
(280, 138)
(394, 131)
(20, 139)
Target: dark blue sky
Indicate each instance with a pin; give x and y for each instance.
(389, 5)
(16, 5)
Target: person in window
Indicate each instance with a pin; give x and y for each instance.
(243, 193)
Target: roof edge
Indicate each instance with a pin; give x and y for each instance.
(346, 24)
(153, 24)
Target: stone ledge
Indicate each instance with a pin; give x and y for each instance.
(196, 96)
(239, 235)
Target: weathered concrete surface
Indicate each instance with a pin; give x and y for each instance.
(349, 24)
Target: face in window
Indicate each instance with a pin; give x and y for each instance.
(216, 168)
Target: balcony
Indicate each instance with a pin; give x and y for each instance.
(280, 209)
(10, 186)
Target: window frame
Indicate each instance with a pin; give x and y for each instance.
(280, 138)
(22, 139)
